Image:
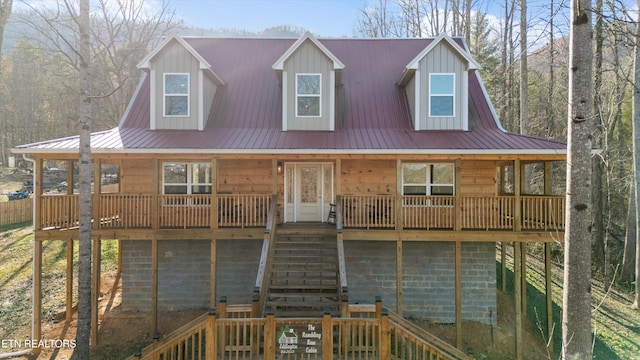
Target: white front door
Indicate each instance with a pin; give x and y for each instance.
(309, 192)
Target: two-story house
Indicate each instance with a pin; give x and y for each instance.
(386, 152)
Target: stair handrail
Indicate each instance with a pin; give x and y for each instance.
(342, 266)
(265, 256)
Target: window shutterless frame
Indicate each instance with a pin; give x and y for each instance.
(308, 95)
(176, 97)
(442, 94)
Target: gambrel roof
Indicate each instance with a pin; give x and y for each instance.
(372, 111)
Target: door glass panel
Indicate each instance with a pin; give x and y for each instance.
(327, 184)
(309, 182)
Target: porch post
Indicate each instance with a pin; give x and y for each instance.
(37, 289)
(399, 281)
(154, 285)
(95, 287)
(517, 277)
(69, 284)
(458, 293)
(95, 205)
(213, 273)
(214, 203)
(399, 217)
(547, 278)
(547, 265)
(327, 336)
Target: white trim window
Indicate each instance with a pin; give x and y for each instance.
(186, 178)
(176, 94)
(421, 179)
(441, 95)
(308, 95)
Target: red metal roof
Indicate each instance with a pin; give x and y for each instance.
(372, 112)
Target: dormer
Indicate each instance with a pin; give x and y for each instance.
(436, 82)
(182, 86)
(309, 74)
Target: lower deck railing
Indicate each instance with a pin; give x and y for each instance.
(367, 332)
(488, 213)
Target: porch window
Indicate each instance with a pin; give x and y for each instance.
(176, 95)
(308, 95)
(187, 178)
(420, 179)
(441, 95)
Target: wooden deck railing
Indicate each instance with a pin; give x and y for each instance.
(480, 213)
(171, 211)
(369, 332)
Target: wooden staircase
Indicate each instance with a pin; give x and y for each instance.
(303, 279)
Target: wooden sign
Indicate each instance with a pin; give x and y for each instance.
(301, 339)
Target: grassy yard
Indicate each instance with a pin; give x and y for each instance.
(615, 324)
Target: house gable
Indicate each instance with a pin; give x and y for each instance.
(436, 82)
(309, 74)
(183, 86)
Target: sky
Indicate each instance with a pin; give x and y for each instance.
(326, 18)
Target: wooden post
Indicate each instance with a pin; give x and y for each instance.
(37, 289)
(457, 219)
(346, 334)
(517, 214)
(95, 205)
(211, 341)
(255, 305)
(119, 272)
(458, 293)
(69, 294)
(503, 266)
(399, 192)
(154, 285)
(548, 293)
(155, 213)
(385, 335)
(95, 287)
(327, 336)
(274, 176)
(214, 216)
(378, 305)
(222, 314)
(518, 298)
(269, 336)
(213, 274)
(523, 272)
(399, 281)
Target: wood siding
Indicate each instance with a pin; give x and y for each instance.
(443, 59)
(176, 59)
(368, 177)
(308, 59)
(136, 177)
(245, 176)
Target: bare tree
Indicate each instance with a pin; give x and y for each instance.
(5, 12)
(524, 72)
(636, 157)
(576, 294)
(83, 332)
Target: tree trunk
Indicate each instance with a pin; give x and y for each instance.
(524, 74)
(83, 334)
(636, 157)
(576, 295)
(598, 166)
(629, 256)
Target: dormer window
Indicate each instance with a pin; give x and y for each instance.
(441, 95)
(176, 94)
(308, 95)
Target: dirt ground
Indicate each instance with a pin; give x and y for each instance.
(120, 333)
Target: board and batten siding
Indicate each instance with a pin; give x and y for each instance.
(443, 60)
(308, 59)
(175, 59)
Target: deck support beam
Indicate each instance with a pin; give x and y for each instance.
(69, 281)
(213, 273)
(37, 289)
(517, 280)
(458, 293)
(399, 281)
(154, 285)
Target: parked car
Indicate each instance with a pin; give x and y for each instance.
(17, 195)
